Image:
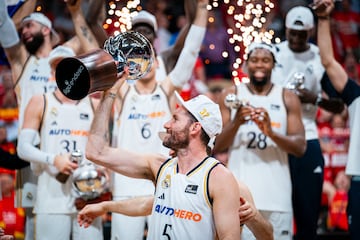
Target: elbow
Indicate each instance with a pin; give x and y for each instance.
(300, 149)
(92, 152)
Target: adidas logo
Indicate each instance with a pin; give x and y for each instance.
(318, 169)
(162, 196)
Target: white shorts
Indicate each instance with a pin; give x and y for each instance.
(282, 223)
(62, 226)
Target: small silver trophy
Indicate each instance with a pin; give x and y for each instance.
(89, 181)
(232, 101)
(297, 81)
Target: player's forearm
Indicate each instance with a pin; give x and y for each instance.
(201, 16)
(334, 70)
(99, 136)
(83, 32)
(94, 17)
(293, 144)
(261, 228)
(138, 206)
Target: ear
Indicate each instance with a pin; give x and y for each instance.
(46, 31)
(196, 126)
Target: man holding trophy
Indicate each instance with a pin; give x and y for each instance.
(144, 105)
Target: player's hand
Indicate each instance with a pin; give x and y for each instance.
(63, 163)
(121, 78)
(247, 211)
(323, 8)
(91, 211)
(262, 119)
(244, 113)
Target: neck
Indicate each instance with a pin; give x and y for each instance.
(43, 51)
(190, 157)
(260, 89)
(145, 87)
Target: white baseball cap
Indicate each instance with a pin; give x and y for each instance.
(299, 18)
(43, 20)
(144, 17)
(59, 53)
(206, 112)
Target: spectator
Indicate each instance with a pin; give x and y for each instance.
(12, 219)
(337, 194)
(347, 23)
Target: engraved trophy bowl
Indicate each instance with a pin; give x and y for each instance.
(89, 181)
(76, 77)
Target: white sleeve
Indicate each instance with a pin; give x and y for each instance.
(27, 150)
(186, 62)
(8, 33)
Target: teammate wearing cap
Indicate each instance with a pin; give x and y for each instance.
(141, 109)
(259, 135)
(195, 196)
(28, 58)
(297, 55)
(46, 141)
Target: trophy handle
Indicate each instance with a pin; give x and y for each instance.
(76, 77)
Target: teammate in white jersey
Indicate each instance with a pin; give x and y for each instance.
(141, 110)
(349, 91)
(31, 72)
(192, 127)
(60, 126)
(259, 134)
(297, 56)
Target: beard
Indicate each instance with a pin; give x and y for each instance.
(176, 140)
(258, 82)
(35, 44)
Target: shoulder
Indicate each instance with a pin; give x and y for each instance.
(220, 173)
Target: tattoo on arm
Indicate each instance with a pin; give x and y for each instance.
(85, 33)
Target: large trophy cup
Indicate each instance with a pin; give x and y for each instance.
(76, 77)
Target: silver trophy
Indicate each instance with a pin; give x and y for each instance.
(232, 101)
(89, 181)
(76, 77)
(297, 81)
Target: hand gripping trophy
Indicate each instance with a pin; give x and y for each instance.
(76, 77)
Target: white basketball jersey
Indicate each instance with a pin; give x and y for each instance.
(308, 63)
(182, 207)
(141, 119)
(65, 128)
(256, 160)
(35, 79)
